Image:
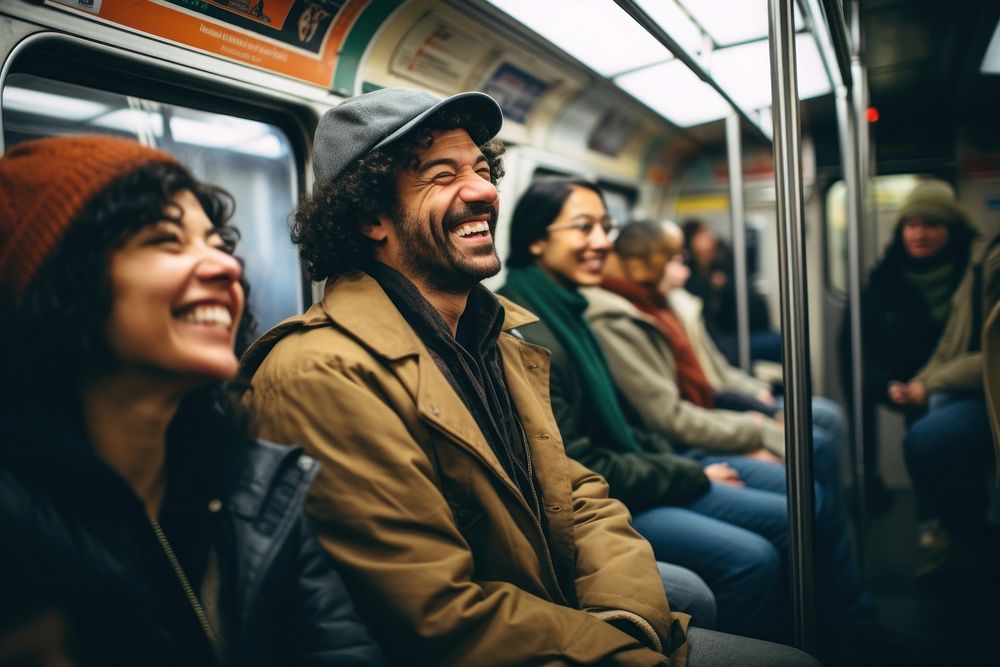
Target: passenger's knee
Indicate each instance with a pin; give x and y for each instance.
(688, 593)
(712, 649)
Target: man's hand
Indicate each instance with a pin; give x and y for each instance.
(910, 393)
(918, 392)
(723, 473)
(897, 393)
(762, 455)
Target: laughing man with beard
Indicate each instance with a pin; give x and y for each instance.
(465, 533)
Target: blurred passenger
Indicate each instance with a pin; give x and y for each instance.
(654, 366)
(559, 241)
(467, 535)
(165, 535)
(948, 448)
(712, 281)
(905, 306)
(734, 388)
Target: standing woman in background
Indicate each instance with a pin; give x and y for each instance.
(158, 532)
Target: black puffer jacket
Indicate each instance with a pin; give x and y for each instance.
(77, 539)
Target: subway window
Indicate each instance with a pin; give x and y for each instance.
(251, 159)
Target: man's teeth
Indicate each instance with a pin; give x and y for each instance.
(472, 228)
(216, 315)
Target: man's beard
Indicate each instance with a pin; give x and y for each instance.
(433, 258)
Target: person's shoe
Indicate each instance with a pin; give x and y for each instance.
(933, 548)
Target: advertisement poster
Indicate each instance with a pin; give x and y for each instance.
(515, 90)
(611, 133)
(296, 38)
(436, 54)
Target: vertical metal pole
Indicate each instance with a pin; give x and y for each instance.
(794, 316)
(740, 274)
(846, 121)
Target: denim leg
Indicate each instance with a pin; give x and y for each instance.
(688, 593)
(741, 568)
(829, 433)
(946, 452)
(839, 583)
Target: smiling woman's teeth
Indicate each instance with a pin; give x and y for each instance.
(216, 315)
(472, 228)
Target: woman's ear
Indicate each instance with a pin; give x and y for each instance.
(377, 228)
(537, 248)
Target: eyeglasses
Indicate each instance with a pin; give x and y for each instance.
(585, 224)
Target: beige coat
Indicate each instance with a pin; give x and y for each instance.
(445, 559)
(720, 373)
(991, 376)
(643, 368)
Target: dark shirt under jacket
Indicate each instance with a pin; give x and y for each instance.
(471, 362)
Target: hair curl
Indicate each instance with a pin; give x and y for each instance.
(327, 223)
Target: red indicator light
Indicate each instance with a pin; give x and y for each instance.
(871, 113)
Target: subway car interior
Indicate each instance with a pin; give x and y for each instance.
(792, 130)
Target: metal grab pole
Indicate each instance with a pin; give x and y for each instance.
(740, 277)
(794, 317)
(854, 209)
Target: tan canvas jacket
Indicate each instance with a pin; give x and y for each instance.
(446, 561)
(643, 368)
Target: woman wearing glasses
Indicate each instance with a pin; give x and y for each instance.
(559, 242)
(158, 532)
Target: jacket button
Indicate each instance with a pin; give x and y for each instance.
(214, 505)
(435, 410)
(554, 508)
(305, 462)
(533, 366)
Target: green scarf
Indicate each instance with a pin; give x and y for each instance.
(936, 284)
(561, 310)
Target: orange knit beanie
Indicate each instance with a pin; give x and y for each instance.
(44, 185)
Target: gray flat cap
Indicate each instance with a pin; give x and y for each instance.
(357, 126)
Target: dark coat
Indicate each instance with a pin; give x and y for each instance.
(654, 477)
(79, 541)
(898, 332)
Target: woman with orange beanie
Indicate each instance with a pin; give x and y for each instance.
(157, 530)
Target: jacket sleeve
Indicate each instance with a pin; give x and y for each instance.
(952, 367)
(642, 373)
(386, 523)
(605, 567)
(331, 633)
(640, 480)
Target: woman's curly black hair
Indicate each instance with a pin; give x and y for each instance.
(56, 332)
(327, 225)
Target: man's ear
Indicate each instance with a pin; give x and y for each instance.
(376, 228)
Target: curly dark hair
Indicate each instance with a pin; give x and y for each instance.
(56, 332)
(327, 225)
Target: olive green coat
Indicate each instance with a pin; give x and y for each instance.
(445, 559)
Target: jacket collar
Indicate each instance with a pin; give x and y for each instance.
(357, 303)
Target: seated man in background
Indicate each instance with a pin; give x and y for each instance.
(466, 534)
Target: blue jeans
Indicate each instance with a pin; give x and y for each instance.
(948, 452)
(688, 593)
(741, 567)
(761, 508)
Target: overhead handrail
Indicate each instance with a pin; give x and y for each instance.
(654, 29)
